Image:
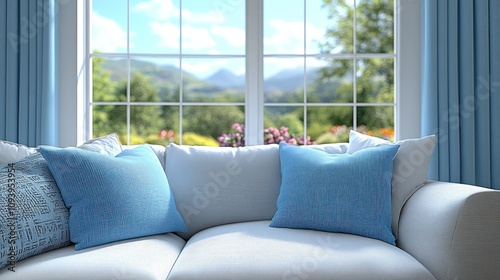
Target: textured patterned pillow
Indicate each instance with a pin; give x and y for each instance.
(33, 217)
(32, 198)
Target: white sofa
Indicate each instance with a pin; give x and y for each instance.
(445, 231)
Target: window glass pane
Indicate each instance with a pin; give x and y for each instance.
(331, 82)
(209, 28)
(154, 26)
(329, 124)
(107, 119)
(108, 75)
(317, 24)
(283, 123)
(283, 27)
(377, 121)
(170, 132)
(375, 80)
(213, 79)
(283, 79)
(186, 53)
(147, 124)
(338, 36)
(375, 26)
(109, 26)
(154, 80)
(203, 125)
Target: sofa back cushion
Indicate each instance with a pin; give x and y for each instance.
(215, 186)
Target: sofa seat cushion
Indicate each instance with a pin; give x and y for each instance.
(150, 257)
(253, 250)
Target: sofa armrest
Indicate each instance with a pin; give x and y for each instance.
(453, 230)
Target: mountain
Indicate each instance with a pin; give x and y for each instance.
(164, 77)
(158, 73)
(289, 79)
(226, 79)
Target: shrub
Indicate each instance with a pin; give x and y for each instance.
(336, 134)
(272, 135)
(193, 139)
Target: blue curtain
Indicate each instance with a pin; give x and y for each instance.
(28, 70)
(461, 89)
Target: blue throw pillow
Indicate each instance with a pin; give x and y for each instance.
(113, 198)
(337, 193)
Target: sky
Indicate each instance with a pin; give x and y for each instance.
(208, 27)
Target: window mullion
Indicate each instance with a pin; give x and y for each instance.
(254, 99)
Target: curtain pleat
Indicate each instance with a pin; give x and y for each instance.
(493, 86)
(28, 68)
(460, 89)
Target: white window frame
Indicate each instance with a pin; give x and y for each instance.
(75, 70)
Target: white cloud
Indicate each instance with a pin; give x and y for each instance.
(240, 71)
(203, 69)
(209, 17)
(192, 38)
(232, 35)
(197, 38)
(273, 65)
(314, 35)
(107, 35)
(168, 34)
(161, 10)
(288, 37)
(158, 9)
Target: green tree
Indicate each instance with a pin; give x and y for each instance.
(375, 76)
(103, 89)
(144, 119)
(211, 120)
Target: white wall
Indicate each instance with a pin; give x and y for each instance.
(72, 72)
(73, 67)
(409, 85)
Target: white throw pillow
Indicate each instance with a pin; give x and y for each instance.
(359, 141)
(12, 152)
(334, 148)
(108, 145)
(410, 168)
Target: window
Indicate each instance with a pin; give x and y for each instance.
(186, 71)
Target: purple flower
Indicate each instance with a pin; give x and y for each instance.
(272, 135)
